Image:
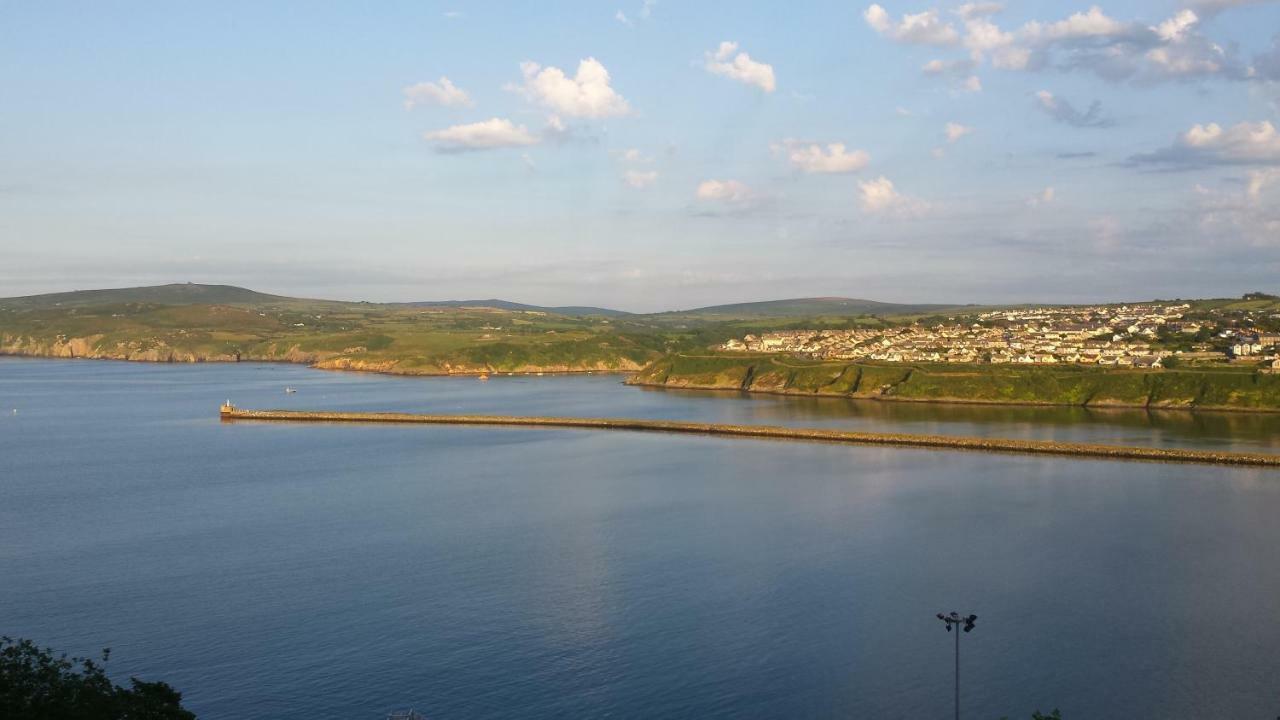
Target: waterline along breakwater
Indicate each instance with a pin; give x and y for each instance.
(1043, 447)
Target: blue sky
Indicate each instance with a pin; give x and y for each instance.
(644, 156)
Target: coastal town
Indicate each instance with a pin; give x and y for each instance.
(1104, 335)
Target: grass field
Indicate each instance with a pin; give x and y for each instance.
(388, 338)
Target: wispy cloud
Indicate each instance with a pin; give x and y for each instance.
(442, 92)
(954, 131)
(880, 197)
(740, 67)
(924, 28)
(811, 157)
(1064, 112)
(1246, 143)
(1173, 48)
(484, 135)
(732, 192)
(640, 179)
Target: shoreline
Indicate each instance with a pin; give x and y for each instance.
(963, 401)
(703, 388)
(952, 442)
(310, 365)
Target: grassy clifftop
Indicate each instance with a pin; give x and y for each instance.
(353, 336)
(1055, 385)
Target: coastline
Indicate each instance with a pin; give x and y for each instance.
(953, 442)
(316, 365)
(631, 380)
(959, 401)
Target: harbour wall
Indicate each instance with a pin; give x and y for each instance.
(1041, 447)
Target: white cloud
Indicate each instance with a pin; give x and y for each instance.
(646, 11)
(1243, 141)
(1044, 197)
(726, 191)
(557, 130)
(1177, 27)
(585, 95)
(879, 197)
(1090, 23)
(955, 131)
(442, 92)
(1246, 143)
(947, 67)
(485, 135)
(1089, 40)
(959, 71)
(981, 36)
(640, 179)
(972, 10)
(740, 67)
(815, 158)
(919, 29)
(984, 39)
(1259, 179)
(1251, 216)
(632, 155)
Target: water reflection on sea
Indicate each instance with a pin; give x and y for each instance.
(300, 571)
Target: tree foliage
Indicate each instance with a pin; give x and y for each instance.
(36, 684)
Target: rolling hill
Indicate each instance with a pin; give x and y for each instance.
(173, 294)
(570, 310)
(804, 307)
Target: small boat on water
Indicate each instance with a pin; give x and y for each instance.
(289, 391)
(483, 377)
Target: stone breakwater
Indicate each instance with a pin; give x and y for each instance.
(1042, 447)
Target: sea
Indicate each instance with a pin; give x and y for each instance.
(301, 571)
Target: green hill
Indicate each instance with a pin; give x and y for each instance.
(803, 307)
(570, 310)
(174, 294)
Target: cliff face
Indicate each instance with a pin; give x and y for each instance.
(414, 366)
(1088, 387)
(93, 347)
(354, 358)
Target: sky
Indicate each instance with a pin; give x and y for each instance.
(644, 155)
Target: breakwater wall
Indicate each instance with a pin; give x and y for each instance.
(1042, 447)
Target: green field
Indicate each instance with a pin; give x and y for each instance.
(182, 326)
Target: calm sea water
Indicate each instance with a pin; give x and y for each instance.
(341, 571)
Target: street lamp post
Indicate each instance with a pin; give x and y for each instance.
(965, 623)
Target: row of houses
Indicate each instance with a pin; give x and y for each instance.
(1101, 335)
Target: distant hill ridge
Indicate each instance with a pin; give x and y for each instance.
(519, 307)
(199, 294)
(811, 306)
(172, 294)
